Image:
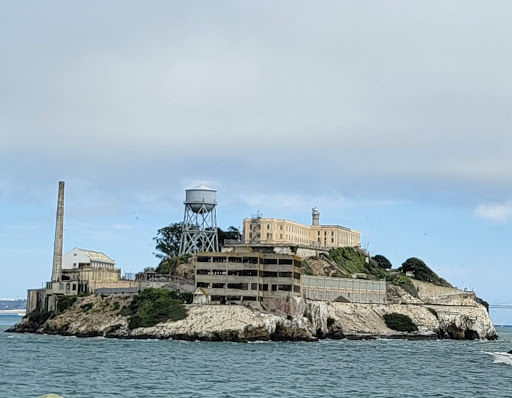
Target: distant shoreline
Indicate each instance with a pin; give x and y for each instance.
(13, 312)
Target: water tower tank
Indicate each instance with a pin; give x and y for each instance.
(200, 199)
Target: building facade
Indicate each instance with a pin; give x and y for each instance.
(247, 278)
(343, 289)
(258, 230)
(79, 258)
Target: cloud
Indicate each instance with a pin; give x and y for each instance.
(499, 212)
(338, 93)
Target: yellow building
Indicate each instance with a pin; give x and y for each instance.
(258, 230)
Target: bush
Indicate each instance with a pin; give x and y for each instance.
(39, 316)
(169, 264)
(483, 302)
(400, 322)
(65, 302)
(86, 307)
(152, 306)
(433, 311)
(382, 262)
(115, 306)
(405, 283)
(354, 260)
(349, 259)
(307, 268)
(422, 272)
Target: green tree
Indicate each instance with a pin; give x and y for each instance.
(382, 261)
(422, 272)
(168, 240)
(232, 233)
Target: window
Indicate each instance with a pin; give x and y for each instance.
(74, 254)
(250, 226)
(268, 235)
(203, 272)
(281, 227)
(268, 226)
(332, 233)
(332, 240)
(238, 286)
(250, 235)
(318, 233)
(280, 236)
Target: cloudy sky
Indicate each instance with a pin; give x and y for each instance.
(393, 118)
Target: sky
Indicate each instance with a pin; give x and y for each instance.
(393, 118)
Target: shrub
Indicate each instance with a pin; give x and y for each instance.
(433, 311)
(115, 306)
(382, 261)
(65, 302)
(483, 302)
(307, 268)
(169, 264)
(422, 272)
(400, 322)
(349, 259)
(405, 283)
(39, 316)
(152, 306)
(86, 307)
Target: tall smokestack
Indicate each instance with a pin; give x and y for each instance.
(59, 228)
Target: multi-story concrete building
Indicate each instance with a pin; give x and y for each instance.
(248, 277)
(258, 230)
(266, 277)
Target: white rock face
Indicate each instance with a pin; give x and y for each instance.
(311, 319)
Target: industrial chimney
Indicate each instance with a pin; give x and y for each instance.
(59, 228)
(316, 216)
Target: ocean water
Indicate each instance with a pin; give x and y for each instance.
(32, 365)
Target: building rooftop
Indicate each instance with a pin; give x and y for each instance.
(97, 256)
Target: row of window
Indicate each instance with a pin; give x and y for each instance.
(248, 260)
(257, 273)
(253, 286)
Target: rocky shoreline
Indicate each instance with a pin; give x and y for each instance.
(311, 320)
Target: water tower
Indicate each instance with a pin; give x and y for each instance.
(200, 221)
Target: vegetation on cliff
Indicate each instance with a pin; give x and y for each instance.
(353, 260)
(382, 261)
(65, 302)
(169, 264)
(404, 282)
(38, 317)
(400, 322)
(152, 306)
(306, 267)
(422, 272)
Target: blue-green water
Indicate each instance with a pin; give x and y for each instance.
(78, 368)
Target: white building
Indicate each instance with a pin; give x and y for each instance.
(79, 258)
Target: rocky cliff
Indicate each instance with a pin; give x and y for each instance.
(311, 320)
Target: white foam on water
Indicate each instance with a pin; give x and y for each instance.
(501, 357)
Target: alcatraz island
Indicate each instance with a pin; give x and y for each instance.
(276, 280)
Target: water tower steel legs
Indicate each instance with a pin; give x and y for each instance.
(199, 231)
